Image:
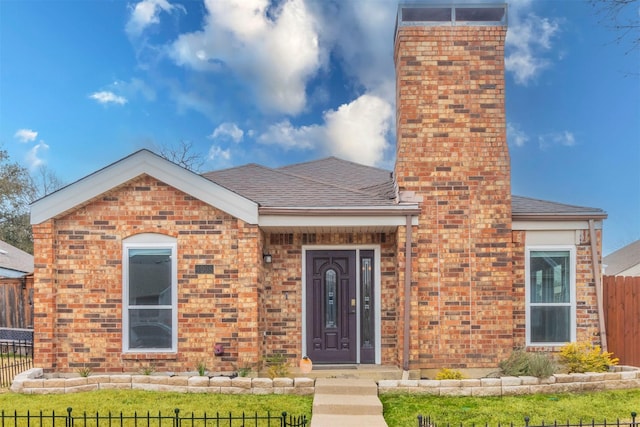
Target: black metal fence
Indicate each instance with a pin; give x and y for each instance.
(68, 419)
(15, 356)
(428, 422)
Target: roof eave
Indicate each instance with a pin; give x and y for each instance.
(558, 216)
(400, 210)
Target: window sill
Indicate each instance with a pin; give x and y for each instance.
(149, 356)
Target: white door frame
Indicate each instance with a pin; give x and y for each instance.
(377, 285)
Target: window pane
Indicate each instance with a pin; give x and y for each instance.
(331, 309)
(550, 324)
(150, 328)
(550, 277)
(367, 300)
(150, 276)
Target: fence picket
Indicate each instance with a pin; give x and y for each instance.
(622, 317)
(86, 420)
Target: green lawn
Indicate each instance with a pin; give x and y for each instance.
(401, 410)
(130, 401)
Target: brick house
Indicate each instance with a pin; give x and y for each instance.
(434, 264)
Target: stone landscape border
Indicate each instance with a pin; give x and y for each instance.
(624, 377)
(34, 382)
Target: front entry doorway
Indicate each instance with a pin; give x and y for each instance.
(340, 306)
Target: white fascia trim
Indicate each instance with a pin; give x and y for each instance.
(333, 221)
(143, 162)
(553, 225)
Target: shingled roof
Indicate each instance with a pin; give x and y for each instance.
(14, 262)
(328, 182)
(623, 259)
(332, 182)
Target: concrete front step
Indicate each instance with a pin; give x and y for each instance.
(374, 372)
(340, 404)
(325, 420)
(341, 386)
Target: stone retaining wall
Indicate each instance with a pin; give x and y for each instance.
(623, 378)
(33, 382)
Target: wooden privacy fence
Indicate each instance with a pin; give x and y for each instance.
(622, 317)
(16, 302)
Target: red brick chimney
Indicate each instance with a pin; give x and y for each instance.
(452, 152)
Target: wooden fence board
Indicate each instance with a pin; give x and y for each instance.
(16, 307)
(622, 317)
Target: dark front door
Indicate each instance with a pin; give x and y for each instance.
(331, 306)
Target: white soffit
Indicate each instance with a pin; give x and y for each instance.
(554, 225)
(336, 220)
(139, 163)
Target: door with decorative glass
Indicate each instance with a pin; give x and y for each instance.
(339, 306)
(331, 306)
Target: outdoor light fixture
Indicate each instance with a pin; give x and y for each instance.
(267, 258)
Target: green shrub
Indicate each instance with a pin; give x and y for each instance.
(84, 372)
(523, 363)
(586, 357)
(449, 374)
(202, 368)
(277, 366)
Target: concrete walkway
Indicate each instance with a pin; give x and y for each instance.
(340, 402)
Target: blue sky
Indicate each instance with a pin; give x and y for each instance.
(85, 83)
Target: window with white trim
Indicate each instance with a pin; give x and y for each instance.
(550, 295)
(149, 293)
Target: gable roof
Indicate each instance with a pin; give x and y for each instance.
(623, 259)
(328, 187)
(14, 262)
(137, 164)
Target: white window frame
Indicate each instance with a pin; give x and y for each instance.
(150, 241)
(572, 293)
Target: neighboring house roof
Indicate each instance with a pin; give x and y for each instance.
(14, 262)
(623, 262)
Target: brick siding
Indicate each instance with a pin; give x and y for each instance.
(78, 281)
(452, 151)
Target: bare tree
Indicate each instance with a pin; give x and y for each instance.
(183, 154)
(624, 17)
(45, 181)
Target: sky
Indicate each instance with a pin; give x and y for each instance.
(85, 83)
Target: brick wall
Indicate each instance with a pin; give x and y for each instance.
(78, 282)
(587, 327)
(283, 289)
(452, 151)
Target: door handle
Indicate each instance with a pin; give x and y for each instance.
(353, 306)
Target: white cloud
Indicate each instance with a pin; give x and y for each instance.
(216, 153)
(529, 39)
(107, 97)
(26, 135)
(360, 34)
(33, 156)
(228, 130)
(564, 138)
(356, 131)
(146, 13)
(287, 136)
(515, 135)
(276, 51)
